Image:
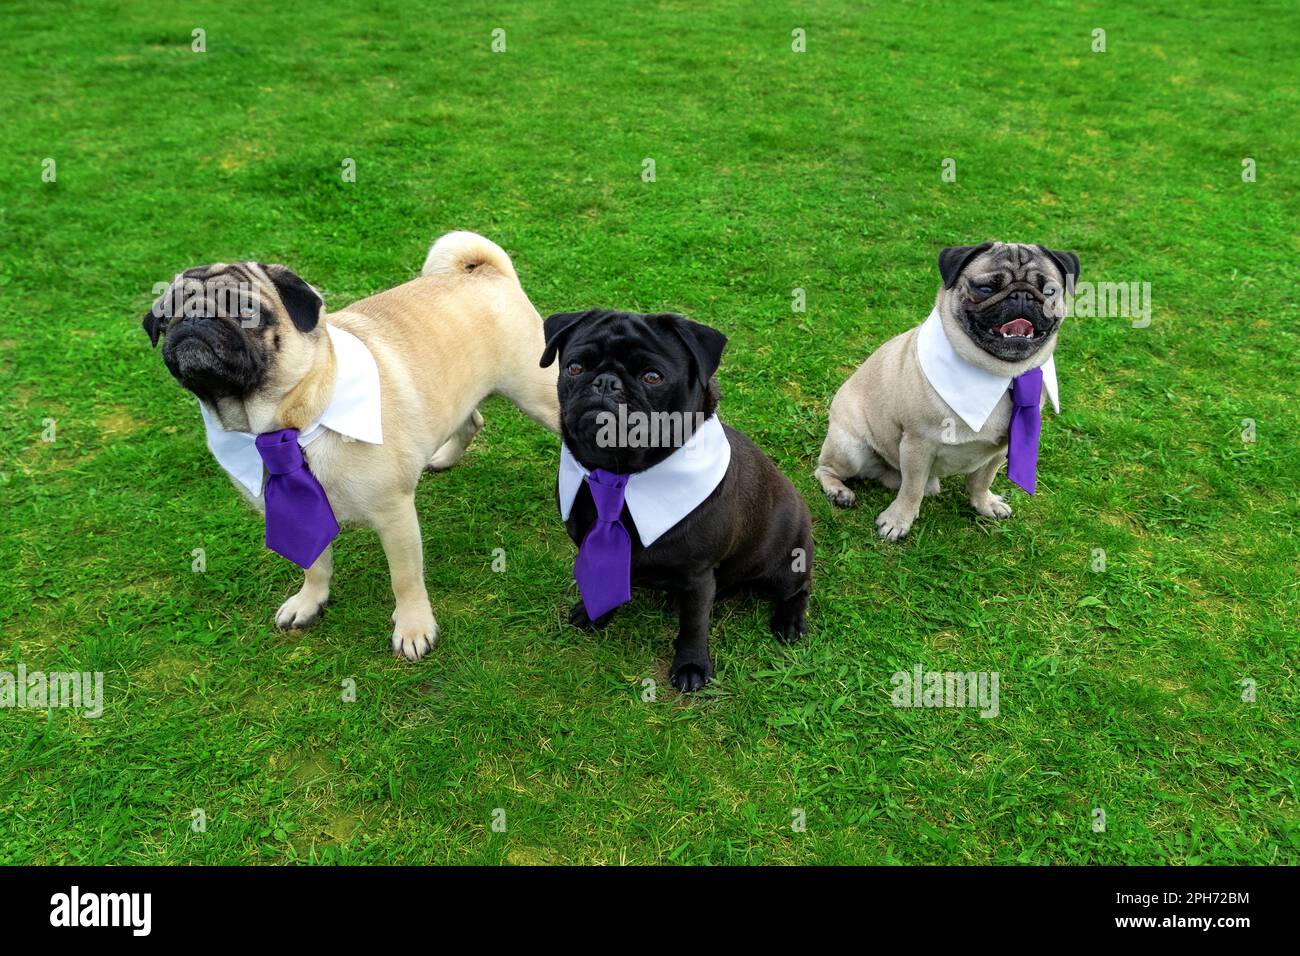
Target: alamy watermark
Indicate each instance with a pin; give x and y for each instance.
(1102, 300)
(637, 429)
(75, 908)
(922, 688)
(192, 298)
(41, 691)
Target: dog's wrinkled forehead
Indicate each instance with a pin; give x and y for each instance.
(243, 290)
(617, 333)
(254, 293)
(1017, 262)
(665, 336)
(1003, 265)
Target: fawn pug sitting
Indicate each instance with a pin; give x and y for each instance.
(657, 492)
(958, 394)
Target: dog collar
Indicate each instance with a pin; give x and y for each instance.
(663, 494)
(970, 391)
(353, 411)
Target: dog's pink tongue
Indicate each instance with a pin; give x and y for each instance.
(1021, 327)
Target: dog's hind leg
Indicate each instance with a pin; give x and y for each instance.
(788, 617)
(841, 458)
(533, 389)
(451, 450)
(791, 582)
(845, 456)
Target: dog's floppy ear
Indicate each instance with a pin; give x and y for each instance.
(1067, 262)
(300, 300)
(953, 259)
(705, 344)
(153, 324)
(163, 308)
(557, 328)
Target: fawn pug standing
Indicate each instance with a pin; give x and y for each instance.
(343, 411)
(960, 393)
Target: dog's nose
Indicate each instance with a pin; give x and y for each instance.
(606, 382)
(1020, 300)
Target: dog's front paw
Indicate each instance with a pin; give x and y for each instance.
(301, 610)
(788, 624)
(841, 497)
(578, 618)
(992, 506)
(414, 632)
(689, 674)
(894, 522)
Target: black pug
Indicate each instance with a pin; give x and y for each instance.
(752, 532)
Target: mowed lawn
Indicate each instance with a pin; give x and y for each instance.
(1121, 690)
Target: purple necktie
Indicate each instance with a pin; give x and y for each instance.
(603, 569)
(1026, 423)
(300, 523)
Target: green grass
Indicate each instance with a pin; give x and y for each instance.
(1120, 690)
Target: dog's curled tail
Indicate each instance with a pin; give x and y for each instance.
(463, 252)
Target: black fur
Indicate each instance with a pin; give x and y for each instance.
(1067, 262)
(300, 300)
(753, 532)
(153, 325)
(953, 259)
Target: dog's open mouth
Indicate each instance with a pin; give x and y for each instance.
(1017, 329)
(1009, 339)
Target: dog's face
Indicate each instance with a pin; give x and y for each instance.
(648, 364)
(1008, 298)
(233, 330)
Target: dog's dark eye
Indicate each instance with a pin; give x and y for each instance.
(574, 368)
(651, 377)
(984, 289)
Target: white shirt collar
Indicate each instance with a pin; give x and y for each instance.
(970, 391)
(664, 494)
(353, 410)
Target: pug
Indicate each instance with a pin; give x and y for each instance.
(955, 394)
(657, 493)
(347, 408)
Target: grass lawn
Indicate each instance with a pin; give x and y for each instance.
(1120, 690)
